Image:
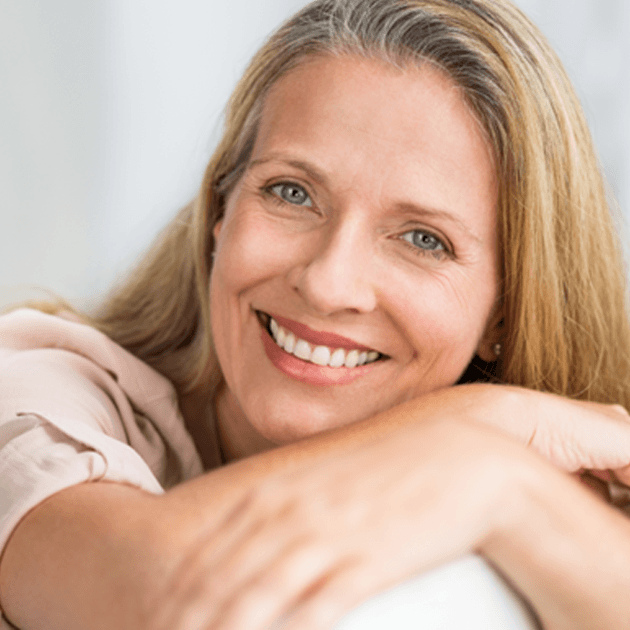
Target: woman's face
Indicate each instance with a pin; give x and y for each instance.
(363, 229)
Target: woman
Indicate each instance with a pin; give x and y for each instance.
(405, 198)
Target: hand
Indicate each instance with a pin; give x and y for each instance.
(573, 435)
(303, 549)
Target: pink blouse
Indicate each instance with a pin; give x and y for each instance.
(76, 407)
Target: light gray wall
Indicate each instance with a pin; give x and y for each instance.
(108, 113)
(109, 110)
(50, 139)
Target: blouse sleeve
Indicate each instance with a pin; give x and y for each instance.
(76, 408)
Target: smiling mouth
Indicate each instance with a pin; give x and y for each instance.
(311, 353)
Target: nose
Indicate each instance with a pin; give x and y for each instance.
(337, 275)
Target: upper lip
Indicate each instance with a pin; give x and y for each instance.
(318, 338)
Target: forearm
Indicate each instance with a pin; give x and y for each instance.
(565, 550)
(250, 473)
(99, 555)
(84, 558)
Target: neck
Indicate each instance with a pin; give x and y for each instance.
(237, 437)
(199, 417)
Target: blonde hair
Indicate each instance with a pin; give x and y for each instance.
(563, 292)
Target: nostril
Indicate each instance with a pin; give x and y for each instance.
(334, 289)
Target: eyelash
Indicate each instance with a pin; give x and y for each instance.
(277, 196)
(420, 251)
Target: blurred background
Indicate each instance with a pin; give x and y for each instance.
(109, 110)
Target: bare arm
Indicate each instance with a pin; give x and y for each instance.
(98, 553)
(108, 556)
(568, 553)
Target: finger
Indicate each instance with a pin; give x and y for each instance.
(271, 595)
(340, 593)
(243, 548)
(596, 437)
(190, 582)
(271, 551)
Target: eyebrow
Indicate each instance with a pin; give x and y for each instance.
(319, 177)
(309, 169)
(440, 214)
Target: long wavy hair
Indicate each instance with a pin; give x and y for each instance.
(563, 291)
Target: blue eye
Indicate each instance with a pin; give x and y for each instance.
(424, 240)
(292, 193)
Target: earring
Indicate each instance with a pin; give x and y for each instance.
(497, 349)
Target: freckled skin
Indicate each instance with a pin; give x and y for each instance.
(376, 163)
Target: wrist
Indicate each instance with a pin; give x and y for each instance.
(563, 548)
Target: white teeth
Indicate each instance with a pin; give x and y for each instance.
(280, 335)
(338, 358)
(302, 350)
(352, 359)
(289, 343)
(320, 355)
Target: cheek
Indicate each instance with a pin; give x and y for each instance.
(444, 312)
(252, 249)
(240, 254)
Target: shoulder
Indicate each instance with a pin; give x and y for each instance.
(74, 377)
(64, 338)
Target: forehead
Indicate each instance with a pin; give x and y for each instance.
(395, 135)
(369, 93)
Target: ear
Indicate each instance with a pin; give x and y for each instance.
(216, 230)
(492, 336)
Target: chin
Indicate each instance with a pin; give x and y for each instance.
(283, 428)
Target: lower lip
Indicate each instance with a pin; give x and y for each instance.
(307, 372)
